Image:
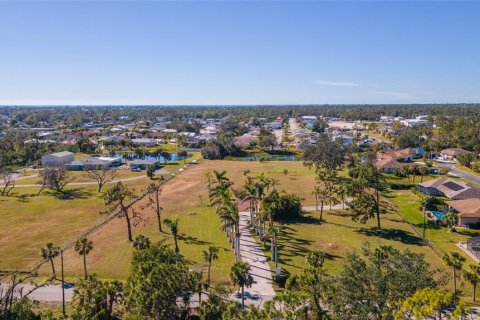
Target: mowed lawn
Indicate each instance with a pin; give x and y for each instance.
(29, 221)
(338, 235)
(186, 198)
(408, 205)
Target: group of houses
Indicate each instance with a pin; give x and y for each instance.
(67, 159)
(390, 160)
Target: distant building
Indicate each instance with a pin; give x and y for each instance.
(58, 159)
(144, 142)
(144, 163)
(452, 153)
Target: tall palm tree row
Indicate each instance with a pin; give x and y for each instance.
(223, 198)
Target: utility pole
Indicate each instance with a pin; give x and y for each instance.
(63, 287)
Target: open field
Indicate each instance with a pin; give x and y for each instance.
(184, 197)
(338, 235)
(30, 221)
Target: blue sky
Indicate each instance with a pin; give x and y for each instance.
(239, 52)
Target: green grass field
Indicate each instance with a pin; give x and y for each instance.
(338, 235)
(30, 222)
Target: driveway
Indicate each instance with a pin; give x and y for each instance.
(251, 252)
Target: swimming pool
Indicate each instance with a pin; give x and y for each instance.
(439, 214)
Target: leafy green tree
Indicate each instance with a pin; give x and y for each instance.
(158, 280)
(266, 139)
(455, 261)
(371, 284)
(150, 172)
(288, 305)
(216, 304)
(319, 126)
(365, 190)
(50, 252)
(83, 246)
(472, 276)
(21, 309)
(208, 256)
(56, 177)
(119, 198)
(426, 303)
(94, 299)
(240, 276)
(326, 154)
(312, 284)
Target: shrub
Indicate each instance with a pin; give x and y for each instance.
(290, 207)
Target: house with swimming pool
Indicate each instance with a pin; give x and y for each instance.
(468, 211)
(449, 188)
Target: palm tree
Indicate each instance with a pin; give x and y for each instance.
(454, 260)
(231, 218)
(141, 242)
(240, 276)
(83, 246)
(425, 202)
(173, 225)
(274, 233)
(50, 252)
(452, 219)
(209, 255)
(269, 205)
(249, 193)
(472, 275)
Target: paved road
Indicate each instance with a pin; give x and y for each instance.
(293, 125)
(464, 174)
(279, 135)
(51, 293)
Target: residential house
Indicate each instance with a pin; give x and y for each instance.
(452, 153)
(452, 189)
(468, 211)
(246, 140)
(144, 163)
(145, 142)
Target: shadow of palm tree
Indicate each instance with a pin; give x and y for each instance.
(393, 234)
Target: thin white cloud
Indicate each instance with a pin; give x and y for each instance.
(337, 83)
(395, 94)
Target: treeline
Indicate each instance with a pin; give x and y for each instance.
(76, 115)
